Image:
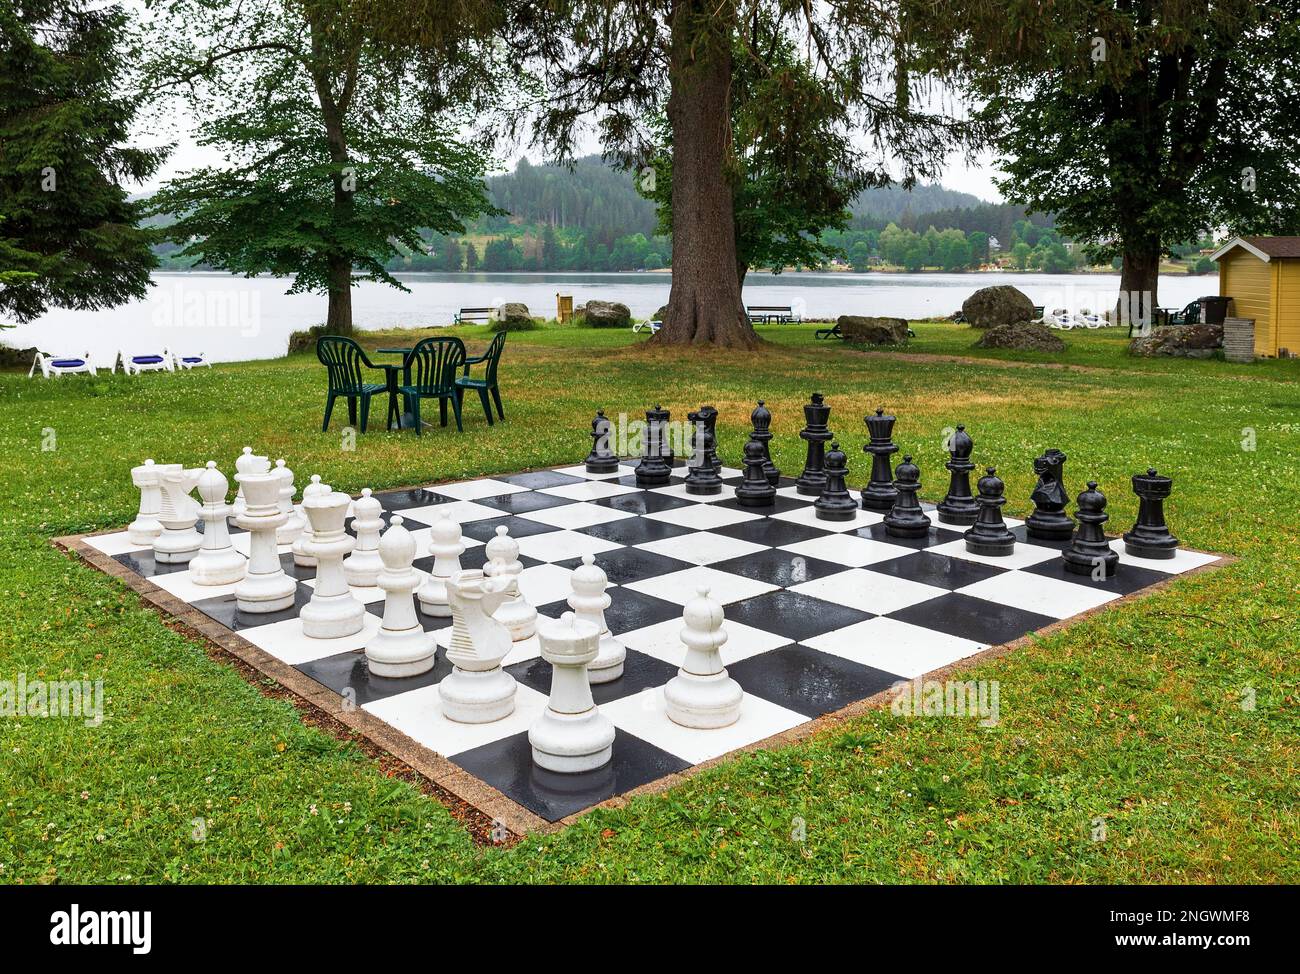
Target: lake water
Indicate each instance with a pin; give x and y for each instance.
(235, 318)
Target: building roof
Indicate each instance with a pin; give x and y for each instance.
(1265, 248)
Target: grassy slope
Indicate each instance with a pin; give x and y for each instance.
(1133, 716)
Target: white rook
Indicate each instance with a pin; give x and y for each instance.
(572, 734)
(145, 527)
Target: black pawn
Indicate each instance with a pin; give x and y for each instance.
(1090, 551)
(906, 519)
(601, 459)
(835, 502)
(1049, 520)
(817, 434)
(709, 416)
(702, 468)
(755, 490)
(989, 534)
(1150, 537)
(761, 418)
(879, 494)
(959, 506)
(655, 468)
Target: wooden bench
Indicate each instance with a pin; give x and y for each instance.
(473, 314)
(767, 314)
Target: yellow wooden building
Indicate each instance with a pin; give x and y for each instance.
(1262, 276)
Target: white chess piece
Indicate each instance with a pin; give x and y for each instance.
(590, 600)
(217, 563)
(362, 567)
(702, 694)
(300, 547)
(572, 734)
(265, 587)
(145, 527)
(477, 690)
(516, 613)
(333, 610)
(290, 531)
(245, 463)
(401, 647)
(178, 541)
(446, 545)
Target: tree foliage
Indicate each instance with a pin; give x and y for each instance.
(333, 165)
(69, 237)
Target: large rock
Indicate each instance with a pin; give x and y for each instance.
(1001, 304)
(603, 314)
(1023, 335)
(512, 316)
(1182, 341)
(864, 330)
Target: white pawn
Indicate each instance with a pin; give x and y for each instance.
(300, 547)
(145, 527)
(401, 647)
(363, 565)
(516, 613)
(333, 611)
(246, 463)
(288, 532)
(477, 691)
(265, 587)
(178, 541)
(702, 694)
(590, 600)
(571, 735)
(217, 563)
(446, 545)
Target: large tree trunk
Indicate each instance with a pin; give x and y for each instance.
(704, 305)
(1138, 280)
(339, 319)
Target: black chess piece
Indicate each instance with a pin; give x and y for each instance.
(1090, 551)
(655, 468)
(1049, 520)
(702, 467)
(835, 503)
(601, 459)
(761, 419)
(817, 434)
(989, 534)
(879, 494)
(1150, 537)
(906, 519)
(755, 490)
(959, 506)
(709, 417)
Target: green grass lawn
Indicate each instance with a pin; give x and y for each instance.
(1133, 717)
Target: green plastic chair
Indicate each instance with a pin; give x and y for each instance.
(487, 384)
(343, 360)
(430, 373)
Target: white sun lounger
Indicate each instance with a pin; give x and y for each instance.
(654, 326)
(52, 366)
(191, 361)
(147, 362)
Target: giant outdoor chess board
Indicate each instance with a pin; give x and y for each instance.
(820, 614)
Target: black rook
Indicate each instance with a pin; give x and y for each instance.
(1150, 537)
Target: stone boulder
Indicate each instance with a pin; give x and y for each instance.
(1181, 341)
(863, 330)
(512, 316)
(19, 358)
(1001, 304)
(603, 314)
(661, 314)
(1022, 335)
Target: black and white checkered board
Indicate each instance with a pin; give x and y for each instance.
(820, 614)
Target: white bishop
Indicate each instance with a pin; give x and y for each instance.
(362, 567)
(590, 600)
(217, 563)
(401, 647)
(516, 614)
(446, 545)
(290, 531)
(302, 546)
